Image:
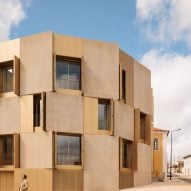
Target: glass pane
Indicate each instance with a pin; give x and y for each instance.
(62, 74)
(103, 116)
(7, 79)
(68, 150)
(36, 110)
(74, 76)
(74, 150)
(7, 150)
(62, 150)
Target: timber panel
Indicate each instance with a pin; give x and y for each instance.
(125, 179)
(6, 181)
(68, 180)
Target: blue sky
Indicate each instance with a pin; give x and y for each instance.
(155, 32)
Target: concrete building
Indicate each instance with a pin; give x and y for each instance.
(75, 114)
(187, 165)
(159, 170)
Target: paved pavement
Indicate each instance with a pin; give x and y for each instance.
(176, 184)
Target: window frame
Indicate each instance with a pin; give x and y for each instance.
(130, 153)
(108, 116)
(15, 152)
(68, 166)
(155, 144)
(143, 126)
(67, 59)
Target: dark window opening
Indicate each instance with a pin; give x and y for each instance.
(142, 126)
(124, 84)
(103, 115)
(68, 150)
(37, 110)
(6, 150)
(126, 154)
(68, 73)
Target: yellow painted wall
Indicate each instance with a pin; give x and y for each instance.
(158, 156)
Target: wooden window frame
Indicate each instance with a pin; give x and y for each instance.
(15, 154)
(69, 167)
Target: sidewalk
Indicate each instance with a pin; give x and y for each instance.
(169, 185)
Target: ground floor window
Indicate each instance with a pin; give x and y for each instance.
(6, 150)
(68, 149)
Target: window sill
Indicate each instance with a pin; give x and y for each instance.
(8, 94)
(7, 168)
(70, 92)
(128, 170)
(38, 129)
(104, 132)
(69, 167)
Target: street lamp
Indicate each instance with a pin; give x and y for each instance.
(171, 153)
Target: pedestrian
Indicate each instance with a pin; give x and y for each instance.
(24, 183)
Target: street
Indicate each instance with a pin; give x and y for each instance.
(180, 183)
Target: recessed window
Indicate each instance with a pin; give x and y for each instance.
(103, 114)
(68, 73)
(126, 149)
(124, 84)
(6, 80)
(155, 144)
(142, 126)
(6, 150)
(37, 104)
(68, 150)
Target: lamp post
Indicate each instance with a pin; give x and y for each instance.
(171, 152)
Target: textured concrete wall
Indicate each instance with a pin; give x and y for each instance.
(64, 113)
(36, 63)
(9, 115)
(143, 174)
(124, 120)
(36, 150)
(142, 88)
(101, 69)
(9, 49)
(101, 163)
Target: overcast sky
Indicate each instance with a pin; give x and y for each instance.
(155, 32)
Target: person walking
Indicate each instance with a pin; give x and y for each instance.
(24, 183)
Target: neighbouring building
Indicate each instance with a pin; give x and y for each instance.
(75, 114)
(159, 169)
(187, 165)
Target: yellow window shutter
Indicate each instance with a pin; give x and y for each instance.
(43, 111)
(148, 129)
(111, 117)
(16, 75)
(137, 124)
(26, 113)
(54, 72)
(134, 156)
(16, 150)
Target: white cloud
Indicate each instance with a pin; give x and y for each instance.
(171, 84)
(12, 12)
(165, 21)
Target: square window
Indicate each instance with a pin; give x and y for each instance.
(103, 115)
(68, 73)
(68, 149)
